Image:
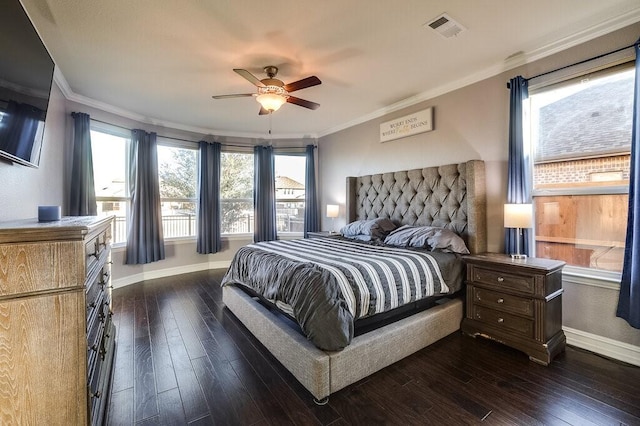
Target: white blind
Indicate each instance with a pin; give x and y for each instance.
(581, 69)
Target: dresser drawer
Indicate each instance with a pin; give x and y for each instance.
(492, 277)
(94, 291)
(95, 247)
(503, 320)
(503, 302)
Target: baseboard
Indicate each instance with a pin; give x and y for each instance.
(167, 272)
(603, 346)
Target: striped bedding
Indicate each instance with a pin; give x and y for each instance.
(331, 282)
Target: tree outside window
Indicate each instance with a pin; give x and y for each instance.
(178, 176)
(236, 193)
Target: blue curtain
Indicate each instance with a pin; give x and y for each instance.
(145, 242)
(311, 218)
(209, 199)
(82, 193)
(519, 174)
(264, 194)
(629, 300)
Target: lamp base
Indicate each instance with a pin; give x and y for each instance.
(518, 256)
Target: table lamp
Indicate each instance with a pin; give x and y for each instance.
(518, 216)
(332, 212)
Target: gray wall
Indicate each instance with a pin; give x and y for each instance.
(472, 123)
(23, 189)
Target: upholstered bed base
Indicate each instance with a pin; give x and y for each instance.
(450, 196)
(323, 373)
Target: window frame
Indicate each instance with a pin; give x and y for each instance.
(291, 200)
(579, 274)
(237, 235)
(174, 143)
(125, 134)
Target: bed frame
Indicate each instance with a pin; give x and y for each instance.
(451, 196)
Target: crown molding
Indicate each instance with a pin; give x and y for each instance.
(598, 30)
(70, 95)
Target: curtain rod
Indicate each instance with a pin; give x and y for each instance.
(188, 140)
(578, 63)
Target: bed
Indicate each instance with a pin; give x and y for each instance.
(451, 197)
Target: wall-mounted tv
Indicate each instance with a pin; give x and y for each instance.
(26, 74)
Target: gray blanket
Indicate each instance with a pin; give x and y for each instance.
(330, 282)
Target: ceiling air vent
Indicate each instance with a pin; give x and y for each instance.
(445, 26)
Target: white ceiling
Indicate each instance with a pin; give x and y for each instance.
(159, 61)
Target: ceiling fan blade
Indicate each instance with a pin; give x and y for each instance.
(250, 77)
(302, 84)
(237, 95)
(263, 111)
(302, 102)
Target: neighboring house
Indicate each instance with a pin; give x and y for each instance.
(290, 211)
(287, 188)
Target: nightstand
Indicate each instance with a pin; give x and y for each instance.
(517, 302)
(323, 234)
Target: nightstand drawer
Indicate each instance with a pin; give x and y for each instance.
(513, 323)
(523, 283)
(503, 302)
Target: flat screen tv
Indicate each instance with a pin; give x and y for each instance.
(26, 74)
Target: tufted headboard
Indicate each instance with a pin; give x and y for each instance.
(451, 196)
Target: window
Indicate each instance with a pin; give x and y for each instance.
(177, 172)
(178, 176)
(236, 192)
(581, 137)
(109, 153)
(290, 192)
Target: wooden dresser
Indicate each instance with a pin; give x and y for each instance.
(56, 335)
(516, 302)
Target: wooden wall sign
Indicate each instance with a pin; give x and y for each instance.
(414, 123)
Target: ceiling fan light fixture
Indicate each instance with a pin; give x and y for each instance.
(271, 97)
(271, 101)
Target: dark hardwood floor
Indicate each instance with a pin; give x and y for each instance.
(183, 359)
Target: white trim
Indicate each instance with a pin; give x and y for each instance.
(603, 346)
(167, 272)
(585, 276)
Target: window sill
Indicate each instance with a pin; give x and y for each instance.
(591, 277)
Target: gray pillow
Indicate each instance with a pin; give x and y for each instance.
(430, 237)
(372, 228)
(410, 236)
(447, 240)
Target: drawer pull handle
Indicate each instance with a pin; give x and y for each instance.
(478, 315)
(500, 320)
(94, 348)
(501, 300)
(500, 279)
(92, 305)
(96, 394)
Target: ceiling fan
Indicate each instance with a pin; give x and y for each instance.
(272, 92)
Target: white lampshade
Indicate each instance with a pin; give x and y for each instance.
(271, 101)
(333, 210)
(518, 215)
